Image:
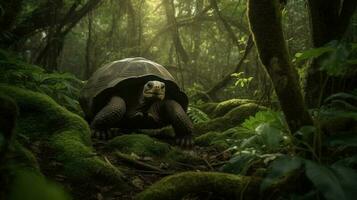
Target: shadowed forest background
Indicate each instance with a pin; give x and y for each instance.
(271, 87)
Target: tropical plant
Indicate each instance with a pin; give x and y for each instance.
(267, 137)
(337, 57)
(62, 87)
(197, 115)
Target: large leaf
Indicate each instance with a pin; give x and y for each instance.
(347, 162)
(333, 182)
(308, 196)
(347, 180)
(346, 140)
(239, 163)
(341, 95)
(312, 53)
(271, 136)
(280, 168)
(197, 115)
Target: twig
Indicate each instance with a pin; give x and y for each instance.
(128, 159)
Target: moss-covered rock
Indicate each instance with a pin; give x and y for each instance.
(26, 184)
(225, 106)
(188, 184)
(208, 108)
(60, 132)
(139, 144)
(146, 146)
(231, 119)
(21, 178)
(8, 114)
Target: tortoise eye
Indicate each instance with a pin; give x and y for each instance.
(163, 86)
(150, 84)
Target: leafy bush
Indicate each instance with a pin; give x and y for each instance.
(241, 81)
(337, 57)
(62, 87)
(333, 177)
(268, 129)
(268, 137)
(334, 181)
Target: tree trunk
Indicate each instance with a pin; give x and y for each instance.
(133, 22)
(49, 55)
(266, 27)
(328, 21)
(88, 69)
(8, 15)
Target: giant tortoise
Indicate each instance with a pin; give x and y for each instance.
(135, 93)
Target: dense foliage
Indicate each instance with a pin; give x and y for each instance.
(271, 87)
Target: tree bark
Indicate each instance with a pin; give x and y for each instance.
(48, 58)
(266, 27)
(88, 69)
(38, 20)
(8, 15)
(171, 20)
(328, 21)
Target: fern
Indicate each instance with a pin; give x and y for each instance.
(197, 115)
(62, 87)
(273, 118)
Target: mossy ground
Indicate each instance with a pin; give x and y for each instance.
(231, 119)
(221, 140)
(62, 137)
(59, 145)
(198, 184)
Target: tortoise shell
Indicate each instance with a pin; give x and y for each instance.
(122, 76)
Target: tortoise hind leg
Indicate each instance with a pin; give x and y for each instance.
(172, 112)
(108, 117)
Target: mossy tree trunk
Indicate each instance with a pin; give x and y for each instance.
(265, 23)
(328, 21)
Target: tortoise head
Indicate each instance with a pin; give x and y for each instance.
(154, 90)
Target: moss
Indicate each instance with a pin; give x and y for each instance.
(22, 179)
(224, 186)
(28, 185)
(64, 133)
(208, 108)
(221, 140)
(141, 145)
(8, 114)
(231, 119)
(19, 154)
(224, 107)
(266, 26)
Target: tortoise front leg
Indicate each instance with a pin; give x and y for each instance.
(173, 113)
(108, 117)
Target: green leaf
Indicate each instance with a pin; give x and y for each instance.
(347, 162)
(197, 115)
(347, 179)
(341, 95)
(239, 163)
(312, 53)
(271, 136)
(335, 182)
(280, 168)
(346, 140)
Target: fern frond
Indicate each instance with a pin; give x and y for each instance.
(197, 115)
